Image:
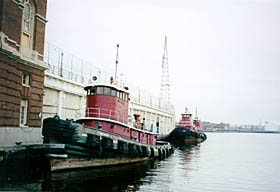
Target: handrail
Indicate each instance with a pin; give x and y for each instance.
(106, 113)
(185, 123)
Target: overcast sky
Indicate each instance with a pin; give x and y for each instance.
(224, 55)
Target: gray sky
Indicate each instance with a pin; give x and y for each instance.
(224, 55)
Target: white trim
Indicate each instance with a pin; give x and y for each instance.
(41, 18)
(108, 85)
(12, 41)
(117, 122)
(25, 85)
(19, 3)
(41, 55)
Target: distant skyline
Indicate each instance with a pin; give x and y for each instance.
(224, 56)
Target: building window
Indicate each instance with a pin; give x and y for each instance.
(27, 17)
(28, 24)
(23, 112)
(25, 79)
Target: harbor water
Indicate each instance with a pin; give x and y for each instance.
(242, 162)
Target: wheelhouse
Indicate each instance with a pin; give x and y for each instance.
(196, 122)
(107, 109)
(107, 101)
(186, 120)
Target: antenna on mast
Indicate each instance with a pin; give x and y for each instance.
(165, 85)
(117, 61)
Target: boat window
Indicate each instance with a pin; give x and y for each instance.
(107, 91)
(99, 90)
(125, 96)
(88, 92)
(118, 94)
(92, 91)
(114, 92)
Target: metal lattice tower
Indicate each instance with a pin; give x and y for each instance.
(165, 85)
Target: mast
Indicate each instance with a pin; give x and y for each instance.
(165, 85)
(117, 61)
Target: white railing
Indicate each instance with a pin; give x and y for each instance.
(71, 67)
(106, 113)
(184, 123)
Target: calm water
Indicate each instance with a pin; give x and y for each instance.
(224, 162)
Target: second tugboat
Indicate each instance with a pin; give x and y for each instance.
(187, 131)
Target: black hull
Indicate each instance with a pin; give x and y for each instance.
(181, 136)
(88, 147)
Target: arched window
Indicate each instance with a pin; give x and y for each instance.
(27, 24)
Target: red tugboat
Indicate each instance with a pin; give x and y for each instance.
(107, 109)
(104, 136)
(187, 131)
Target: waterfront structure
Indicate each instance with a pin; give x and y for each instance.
(22, 33)
(66, 77)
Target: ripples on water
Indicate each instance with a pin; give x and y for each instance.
(224, 162)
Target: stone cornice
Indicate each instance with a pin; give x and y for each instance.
(15, 53)
(11, 55)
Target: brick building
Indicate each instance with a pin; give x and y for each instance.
(22, 33)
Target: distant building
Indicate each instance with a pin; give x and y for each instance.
(221, 126)
(208, 126)
(22, 34)
(253, 127)
(272, 126)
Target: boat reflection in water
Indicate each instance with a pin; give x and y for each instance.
(188, 153)
(189, 147)
(127, 177)
(151, 175)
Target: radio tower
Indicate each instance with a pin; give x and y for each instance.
(165, 85)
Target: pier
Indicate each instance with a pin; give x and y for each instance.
(40, 81)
